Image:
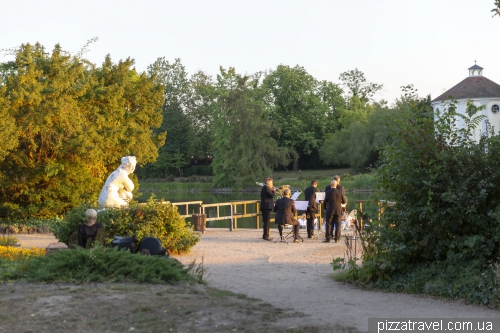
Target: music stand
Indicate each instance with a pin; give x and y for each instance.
(319, 232)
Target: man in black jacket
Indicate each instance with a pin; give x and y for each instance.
(267, 194)
(333, 200)
(312, 207)
(285, 212)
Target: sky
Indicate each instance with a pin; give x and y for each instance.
(427, 43)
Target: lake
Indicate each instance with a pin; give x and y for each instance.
(207, 197)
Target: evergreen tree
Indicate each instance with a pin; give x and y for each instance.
(244, 149)
(74, 122)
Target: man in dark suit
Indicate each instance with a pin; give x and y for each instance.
(285, 212)
(340, 187)
(334, 200)
(267, 194)
(312, 207)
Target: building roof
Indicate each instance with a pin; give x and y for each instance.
(476, 67)
(471, 87)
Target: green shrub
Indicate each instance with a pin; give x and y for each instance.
(50, 224)
(446, 216)
(153, 219)
(8, 241)
(100, 264)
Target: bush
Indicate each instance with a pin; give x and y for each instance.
(48, 224)
(446, 215)
(100, 264)
(8, 241)
(153, 219)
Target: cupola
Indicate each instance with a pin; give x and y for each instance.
(476, 70)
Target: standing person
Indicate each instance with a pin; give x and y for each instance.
(266, 206)
(341, 188)
(334, 200)
(285, 212)
(312, 207)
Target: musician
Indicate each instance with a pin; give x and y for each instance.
(285, 212)
(312, 207)
(267, 194)
(333, 200)
(340, 187)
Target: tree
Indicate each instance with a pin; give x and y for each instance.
(497, 9)
(366, 129)
(10, 134)
(177, 94)
(355, 82)
(244, 148)
(298, 109)
(75, 121)
(446, 191)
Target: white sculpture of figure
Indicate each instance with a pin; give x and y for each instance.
(117, 191)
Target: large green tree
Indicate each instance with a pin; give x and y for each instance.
(244, 149)
(7, 128)
(74, 120)
(302, 107)
(177, 95)
(366, 129)
(357, 85)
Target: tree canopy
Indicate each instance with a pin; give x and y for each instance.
(69, 122)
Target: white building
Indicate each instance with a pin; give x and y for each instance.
(481, 91)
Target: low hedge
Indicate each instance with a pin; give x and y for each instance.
(153, 219)
(97, 265)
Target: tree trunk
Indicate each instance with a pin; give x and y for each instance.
(295, 163)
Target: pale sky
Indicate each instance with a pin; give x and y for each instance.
(428, 43)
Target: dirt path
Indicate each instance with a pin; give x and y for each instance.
(298, 276)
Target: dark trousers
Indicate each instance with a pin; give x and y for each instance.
(332, 221)
(266, 221)
(296, 226)
(310, 215)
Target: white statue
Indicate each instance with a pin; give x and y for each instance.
(117, 190)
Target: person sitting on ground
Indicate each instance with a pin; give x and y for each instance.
(87, 233)
(285, 212)
(303, 221)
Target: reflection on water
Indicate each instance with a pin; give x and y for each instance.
(248, 222)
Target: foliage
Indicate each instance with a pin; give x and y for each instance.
(355, 82)
(18, 253)
(496, 10)
(177, 93)
(153, 219)
(303, 108)
(7, 241)
(49, 224)
(74, 121)
(365, 130)
(100, 264)
(8, 127)
(244, 148)
(12, 257)
(446, 191)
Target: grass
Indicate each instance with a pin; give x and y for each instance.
(115, 307)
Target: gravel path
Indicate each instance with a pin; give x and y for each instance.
(298, 276)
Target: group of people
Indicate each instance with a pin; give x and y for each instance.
(285, 209)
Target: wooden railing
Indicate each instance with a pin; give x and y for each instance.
(238, 209)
